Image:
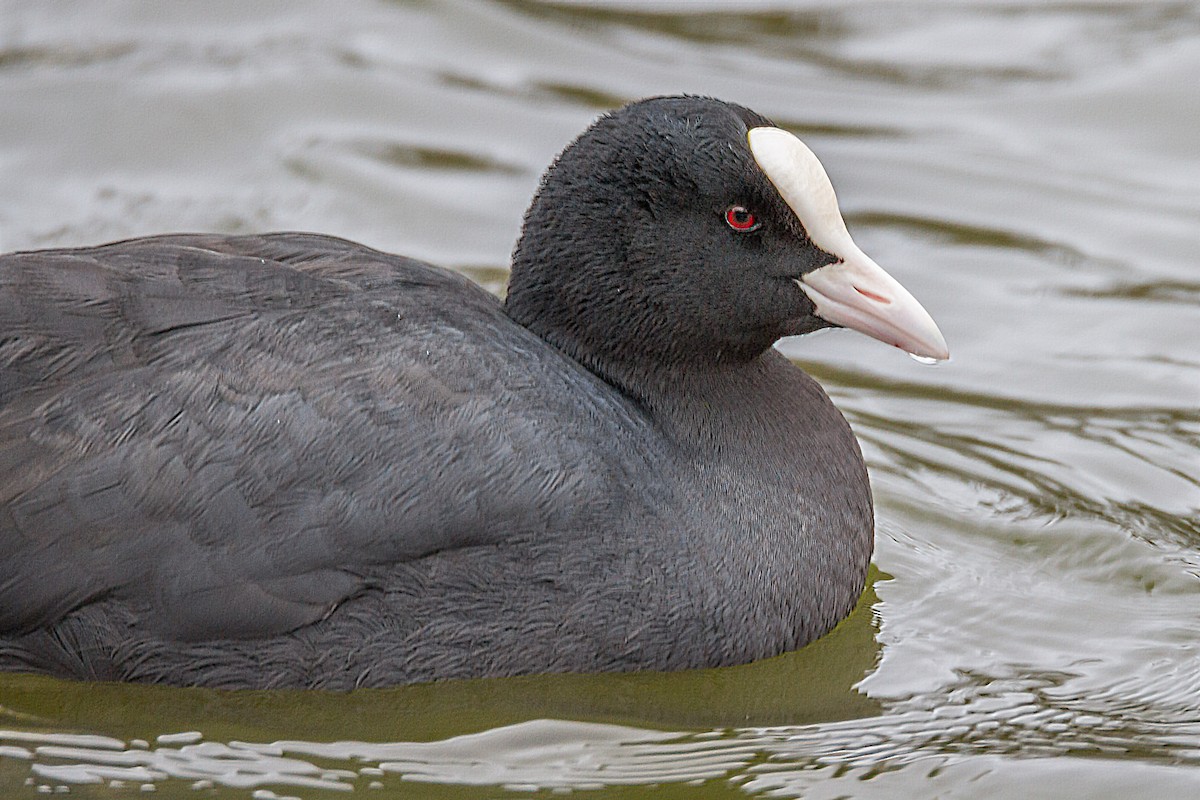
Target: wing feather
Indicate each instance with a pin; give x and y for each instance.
(234, 433)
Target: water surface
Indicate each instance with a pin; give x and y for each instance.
(1029, 170)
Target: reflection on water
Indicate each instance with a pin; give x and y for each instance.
(539, 754)
(545, 732)
(1026, 716)
(1028, 170)
(555, 731)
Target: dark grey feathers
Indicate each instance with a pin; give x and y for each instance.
(291, 460)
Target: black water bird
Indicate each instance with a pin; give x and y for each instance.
(289, 460)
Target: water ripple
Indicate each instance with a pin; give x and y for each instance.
(1030, 715)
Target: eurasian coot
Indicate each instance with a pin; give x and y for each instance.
(289, 460)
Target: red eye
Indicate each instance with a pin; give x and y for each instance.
(741, 219)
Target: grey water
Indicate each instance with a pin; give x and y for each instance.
(1029, 170)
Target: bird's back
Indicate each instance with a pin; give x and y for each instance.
(228, 437)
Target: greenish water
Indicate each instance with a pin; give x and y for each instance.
(1029, 170)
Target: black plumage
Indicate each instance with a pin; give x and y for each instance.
(291, 460)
